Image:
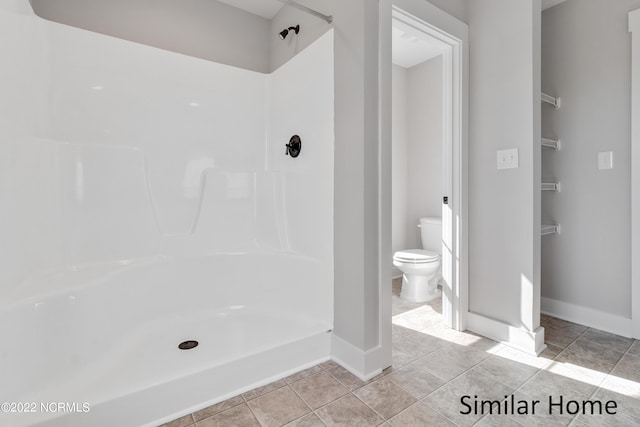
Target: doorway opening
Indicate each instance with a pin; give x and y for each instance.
(426, 48)
(417, 171)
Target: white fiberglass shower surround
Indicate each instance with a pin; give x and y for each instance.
(146, 199)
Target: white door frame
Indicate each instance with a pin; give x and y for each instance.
(634, 28)
(435, 23)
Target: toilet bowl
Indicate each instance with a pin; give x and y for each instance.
(420, 274)
(421, 268)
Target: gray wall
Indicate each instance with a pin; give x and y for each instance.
(205, 29)
(504, 205)
(586, 60)
(399, 161)
(425, 145)
(456, 8)
(417, 150)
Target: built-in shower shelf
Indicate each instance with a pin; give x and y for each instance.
(546, 229)
(550, 186)
(550, 100)
(554, 144)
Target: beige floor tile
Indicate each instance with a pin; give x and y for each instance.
(627, 400)
(319, 389)
(260, 391)
(346, 378)
(185, 421)
(399, 307)
(385, 397)
(218, 407)
(450, 361)
(239, 416)
(605, 420)
(508, 372)
(416, 381)
(310, 420)
(428, 341)
(414, 347)
(473, 341)
(499, 421)
(420, 414)
(303, 374)
(328, 365)
(622, 386)
(448, 399)
(418, 318)
(399, 332)
(551, 352)
(615, 342)
(546, 383)
(278, 407)
(628, 368)
(539, 362)
(440, 330)
(348, 411)
(560, 332)
(591, 355)
(635, 348)
(399, 359)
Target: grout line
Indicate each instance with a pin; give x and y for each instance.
(253, 413)
(368, 406)
(302, 398)
(438, 412)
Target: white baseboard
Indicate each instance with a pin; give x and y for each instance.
(521, 339)
(363, 364)
(587, 316)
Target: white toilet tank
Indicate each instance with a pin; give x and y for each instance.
(431, 234)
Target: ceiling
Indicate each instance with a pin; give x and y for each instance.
(410, 47)
(268, 8)
(265, 8)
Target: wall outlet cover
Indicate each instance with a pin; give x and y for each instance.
(508, 159)
(605, 160)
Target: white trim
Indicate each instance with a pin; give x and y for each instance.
(518, 338)
(634, 28)
(587, 316)
(384, 183)
(363, 364)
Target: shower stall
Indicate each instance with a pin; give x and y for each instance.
(146, 200)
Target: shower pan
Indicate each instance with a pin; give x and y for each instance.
(160, 251)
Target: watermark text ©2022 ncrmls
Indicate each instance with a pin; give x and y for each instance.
(47, 407)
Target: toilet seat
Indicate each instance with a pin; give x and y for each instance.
(416, 256)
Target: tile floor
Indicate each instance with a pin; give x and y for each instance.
(433, 367)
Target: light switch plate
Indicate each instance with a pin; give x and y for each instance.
(605, 160)
(508, 159)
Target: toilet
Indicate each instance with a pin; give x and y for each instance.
(421, 268)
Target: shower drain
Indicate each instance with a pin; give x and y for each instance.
(188, 345)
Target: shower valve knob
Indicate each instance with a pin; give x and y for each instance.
(294, 146)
